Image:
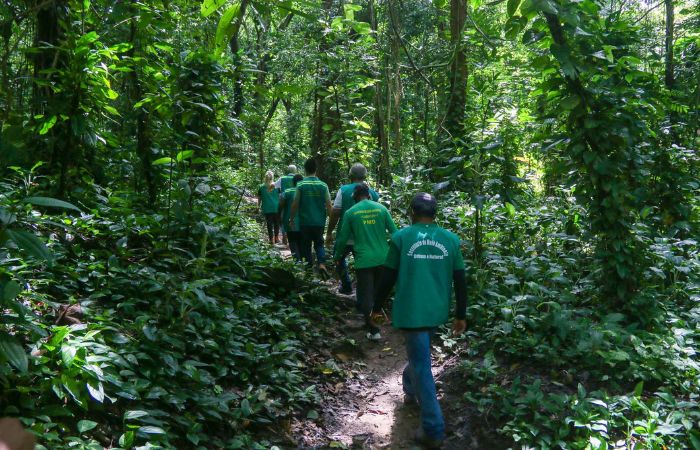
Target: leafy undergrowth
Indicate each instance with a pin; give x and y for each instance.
(549, 367)
(188, 333)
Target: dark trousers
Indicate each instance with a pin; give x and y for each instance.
(294, 239)
(342, 269)
(367, 281)
(312, 236)
(273, 225)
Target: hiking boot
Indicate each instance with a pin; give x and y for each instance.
(345, 290)
(410, 400)
(428, 442)
(374, 336)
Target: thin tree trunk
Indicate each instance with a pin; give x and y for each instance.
(395, 81)
(143, 136)
(457, 100)
(380, 128)
(669, 78)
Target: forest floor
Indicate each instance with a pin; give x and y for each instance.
(362, 402)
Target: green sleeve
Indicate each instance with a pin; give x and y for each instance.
(394, 255)
(343, 236)
(390, 225)
(458, 260)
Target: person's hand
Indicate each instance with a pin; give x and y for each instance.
(459, 326)
(14, 437)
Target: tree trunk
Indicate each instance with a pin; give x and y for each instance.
(384, 172)
(237, 63)
(143, 135)
(326, 122)
(395, 81)
(457, 100)
(669, 78)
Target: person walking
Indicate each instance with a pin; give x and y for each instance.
(344, 201)
(283, 183)
(368, 224)
(424, 261)
(268, 202)
(293, 234)
(313, 203)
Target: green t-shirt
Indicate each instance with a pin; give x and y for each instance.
(425, 256)
(313, 195)
(269, 199)
(367, 223)
(287, 182)
(288, 197)
(348, 202)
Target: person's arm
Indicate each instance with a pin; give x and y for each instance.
(343, 237)
(259, 197)
(390, 225)
(332, 222)
(329, 205)
(283, 202)
(295, 207)
(14, 437)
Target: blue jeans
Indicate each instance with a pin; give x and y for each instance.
(342, 269)
(309, 236)
(418, 382)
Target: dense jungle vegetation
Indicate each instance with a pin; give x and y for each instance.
(141, 308)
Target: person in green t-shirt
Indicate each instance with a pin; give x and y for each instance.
(367, 224)
(268, 202)
(293, 234)
(313, 203)
(424, 261)
(283, 183)
(344, 201)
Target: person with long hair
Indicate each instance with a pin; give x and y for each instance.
(268, 202)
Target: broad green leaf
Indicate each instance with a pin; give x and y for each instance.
(512, 7)
(46, 126)
(570, 102)
(30, 244)
(98, 393)
(126, 440)
(227, 26)
(86, 425)
(51, 203)
(362, 27)
(162, 161)
(349, 10)
(151, 430)
(135, 414)
(11, 291)
(12, 351)
(209, 6)
(183, 155)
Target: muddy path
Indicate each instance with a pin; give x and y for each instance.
(362, 403)
(364, 407)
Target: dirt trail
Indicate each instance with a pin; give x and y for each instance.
(366, 410)
(363, 407)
